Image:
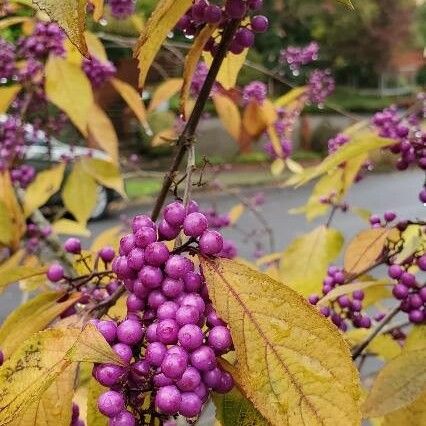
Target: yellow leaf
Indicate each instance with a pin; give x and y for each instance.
(229, 69)
(268, 258)
(55, 405)
(70, 227)
(96, 47)
(162, 20)
(164, 92)
(416, 339)
(163, 137)
(103, 132)
(191, 62)
(94, 417)
(347, 3)
(383, 345)
(411, 415)
(99, 10)
(10, 274)
(290, 96)
(399, 383)
(6, 227)
(228, 114)
(293, 365)
(294, 166)
(68, 87)
(13, 20)
(253, 120)
(43, 187)
(277, 166)
(8, 198)
(304, 263)
(349, 288)
(364, 214)
(359, 144)
(7, 95)
(235, 213)
(109, 237)
(372, 295)
(133, 100)
(233, 409)
(70, 16)
(31, 317)
(79, 193)
(412, 239)
(275, 140)
(105, 173)
(365, 249)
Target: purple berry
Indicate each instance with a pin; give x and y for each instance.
(108, 374)
(395, 271)
(155, 353)
(130, 332)
(203, 358)
(167, 310)
(408, 279)
(151, 276)
(111, 403)
(160, 380)
(156, 254)
(421, 262)
(145, 236)
(400, 291)
(167, 331)
(134, 304)
(190, 337)
(195, 300)
(107, 254)
(235, 9)
(172, 288)
(213, 14)
(177, 266)
(108, 329)
(190, 380)
(390, 216)
(125, 418)
(259, 23)
(220, 339)
(195, 224)
(123, 351)
(55, 272)
(175, 214)
(168, 400)
(416, 316)
(190, 405)
(73, 245)
(173, 366)
(187, 315)
(135, 259)
(211, 242)
(211, 378)
(141, 221)
(226, 383)
(167, 232)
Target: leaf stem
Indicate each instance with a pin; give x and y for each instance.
(360, 348)
(186, 139)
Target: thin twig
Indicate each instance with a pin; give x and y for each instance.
(102, 308)
(360, 348)
(187, 136)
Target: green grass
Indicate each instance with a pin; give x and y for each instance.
(142, 187)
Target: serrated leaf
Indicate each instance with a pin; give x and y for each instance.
(191, 61)
(292, 363)
(70, 16)
(164, 92)
(235, 213)
(411, 415)
(360, 144)
(290, 96)
(46, 184)
(55, 405)
(233, 409)
(304, 263)
(161, 22)
(80, 193)
(228, 113)
(133, 100)
(7, 95)
(68, 87)
(349, 288)
(70, 227)
(102, 131)
(230, 68)
(94, 417)
(105, 173)
(31, 317)
(365, 249)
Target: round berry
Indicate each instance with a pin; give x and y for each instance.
(211, 242)
(134, 304)
(235, 9)
(111, 403)
(145, 236)
(125, 418)
(395, 271)
(135, 259)
(187, 315)
(141, 221)
(220, 338)
(190, 380)
(108, 329)
(55, 272)
(155, 353)
(195, 224)
(400, 291)
(167, 310)
(130, 332)
(173, 365)
(174, 214)
(203, 358)
(156, 254)
(177, 266)
(213, 14)
(73, 245)
(416, 316)
(172, 288)
(151, 276)
(190, 337)
(107, 254)
(259, 23)
(108, 374)
(168, 400)
(421, 262)
(123, 351)
(167, 331)
(226, 383)
(190, 405)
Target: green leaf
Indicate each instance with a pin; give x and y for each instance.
(161, 22)
(293, 364)
(233, 409)
(68, 87)
(304, 263)
(80, 193)
(31, 317)
(70, 16)
(46, 184)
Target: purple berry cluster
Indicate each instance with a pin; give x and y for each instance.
(321, 85)
(122, 9)
(335, 143)
(75, 420)
(410, 139)
(47, 38)
(35, 235)
(296, 57)
(7, 61)
(198, 79)
(284, 126)
(98, 71)
(205, 12)
(11, 140)
(409, 289)
(172, 335)
(346, 308)
(23, 175)
(256, 91)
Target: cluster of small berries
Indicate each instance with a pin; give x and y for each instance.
(122, 9)
(321, 85)
(346, 308)
(205, 12)
(296, 57)
(98, 71)
(284, 126)
(256, 91)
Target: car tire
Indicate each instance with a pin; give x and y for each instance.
(102, 202)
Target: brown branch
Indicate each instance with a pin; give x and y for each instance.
(187, 137)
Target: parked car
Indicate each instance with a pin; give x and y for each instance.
(41, 155)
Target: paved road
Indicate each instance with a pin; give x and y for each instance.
(379, 192)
